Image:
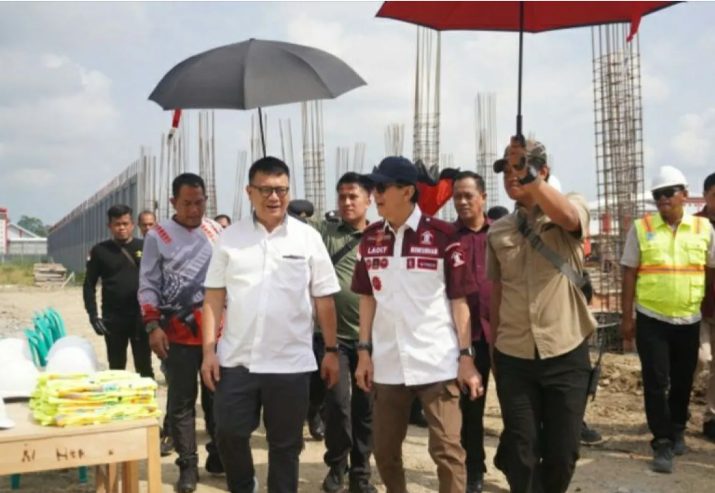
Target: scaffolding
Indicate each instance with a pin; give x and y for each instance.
(207, 159)
(172, 162)
(288, 155)
(619, 151)
(359, 158)
(447, 212)
(342, 162)
(485, 109)
(313, 155)
(427, 97)
(241, 179)
(394, 139)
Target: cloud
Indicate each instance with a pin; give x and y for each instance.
(58, 129)
(31, 177)
(693, 141)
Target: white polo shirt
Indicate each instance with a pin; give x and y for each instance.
(269, 280)
(413, 273)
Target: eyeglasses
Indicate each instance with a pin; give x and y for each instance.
(666, 192)
(382, 187)
(268, 191)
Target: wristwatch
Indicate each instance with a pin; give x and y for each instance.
(467, 351)
(364, 346)
(151, 326)
(331, 349)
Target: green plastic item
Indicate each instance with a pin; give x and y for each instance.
(48, 328)
(38, 347)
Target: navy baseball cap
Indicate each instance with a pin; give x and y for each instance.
(394, 169)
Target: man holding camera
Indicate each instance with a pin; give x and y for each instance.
(541, 322)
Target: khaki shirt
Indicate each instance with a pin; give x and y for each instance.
(540, 308)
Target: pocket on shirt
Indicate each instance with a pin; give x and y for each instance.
(510, 256)
(293, 272)
(696, 251)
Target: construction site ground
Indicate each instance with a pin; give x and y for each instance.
(618, 465)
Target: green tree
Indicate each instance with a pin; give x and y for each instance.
(33, 224)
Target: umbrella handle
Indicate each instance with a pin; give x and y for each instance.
(521, 58)
(260, 124)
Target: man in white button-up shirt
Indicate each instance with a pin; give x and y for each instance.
(268, 269)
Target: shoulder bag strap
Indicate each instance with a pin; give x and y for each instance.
(561, 265)
(338, 256)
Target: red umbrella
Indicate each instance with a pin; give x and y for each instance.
(520, 16)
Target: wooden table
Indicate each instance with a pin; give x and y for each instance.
(29, 447)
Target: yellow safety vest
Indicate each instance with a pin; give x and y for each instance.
(671, 274)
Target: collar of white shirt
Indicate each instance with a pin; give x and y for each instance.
(413, 221)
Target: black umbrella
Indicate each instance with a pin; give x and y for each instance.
(253, 74)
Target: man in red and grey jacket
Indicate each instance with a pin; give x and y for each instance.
(173, 268)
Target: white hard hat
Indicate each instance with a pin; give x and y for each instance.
(18, 378)
(668, 176)
(13, 348)
(72, 354)
(5, 422)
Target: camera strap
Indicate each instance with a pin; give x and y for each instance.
(578, 279)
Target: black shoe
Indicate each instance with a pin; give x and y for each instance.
(166, 445)
(333, 481)
(188, 477)
(361, 485)
(475, 485)
(589, 436)
(214, 464)
(679, 447)
(709, 430)
(662, 456)
(316, 427)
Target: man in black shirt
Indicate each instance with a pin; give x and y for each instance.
(116, 262)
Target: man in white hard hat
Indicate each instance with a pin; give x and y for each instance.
(667, 267)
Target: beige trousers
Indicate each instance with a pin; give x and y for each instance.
(391, 414)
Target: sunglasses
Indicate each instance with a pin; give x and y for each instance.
(382, 187)
(666, 192)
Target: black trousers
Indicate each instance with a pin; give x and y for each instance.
(183, 365)
(473, 415)
(669, 355)
(348, 418)
(542, 402)
(124, 331)
(239, 397)
(317, 386)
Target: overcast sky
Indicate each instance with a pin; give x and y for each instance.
(75, 78)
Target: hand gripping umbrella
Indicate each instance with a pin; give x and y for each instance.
(253, 74)
(519, 16)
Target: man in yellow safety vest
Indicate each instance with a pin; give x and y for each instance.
(668, 262)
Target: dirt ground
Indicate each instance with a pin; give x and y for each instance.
(619, 465)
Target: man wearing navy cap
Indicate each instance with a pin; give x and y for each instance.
(414, 339)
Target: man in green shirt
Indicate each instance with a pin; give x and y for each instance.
(348, 409)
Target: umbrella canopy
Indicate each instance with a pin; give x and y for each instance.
(519, 16)
(253, 74)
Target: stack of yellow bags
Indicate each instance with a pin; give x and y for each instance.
(74, 399)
